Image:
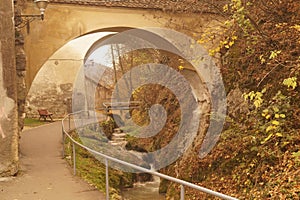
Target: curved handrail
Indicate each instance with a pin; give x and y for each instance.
(145, 170)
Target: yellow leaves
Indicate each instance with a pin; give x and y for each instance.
(256, 97)
(265, 113)
(249, 4)
(262, 59)
(265, 110)
(296, 154)
(296, 26)
(225, 8)
(231, 43)
(278, 116)
(252, 165)
(290, 82)
(247, 182)
(273, 116)
(279, 134)
(236, 4)
(270, 136)
(201, 41)
(269, 128)
(212, 52)
(228, 23)
(257, 103)
(251, 95)
(276, 109)
(282, 116)
(234, 37)
(226, 43)
(267, 138)
(273, 122)
(280, 25)
(180, 68)
(274, 54)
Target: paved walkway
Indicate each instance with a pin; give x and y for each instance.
(44, 175)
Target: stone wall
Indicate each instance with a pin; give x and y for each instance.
(52, 87)
(9, 134)
(20, 66)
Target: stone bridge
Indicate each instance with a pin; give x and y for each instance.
(67, 20)
(38, 51)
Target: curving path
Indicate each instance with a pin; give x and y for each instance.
(44, 175)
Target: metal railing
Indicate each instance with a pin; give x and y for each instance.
(107, 158)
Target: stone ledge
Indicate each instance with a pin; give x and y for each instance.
(164, 5)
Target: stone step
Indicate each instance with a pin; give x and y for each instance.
(117, 139)
(119, 134)
(118, 130)
(114, 143)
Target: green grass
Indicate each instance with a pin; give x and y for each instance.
(34, 122)
(93, 170)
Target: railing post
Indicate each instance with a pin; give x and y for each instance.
(63, 142)
(182, 192)
(106, 179)
(74, 159)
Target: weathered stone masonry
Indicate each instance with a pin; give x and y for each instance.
(8, 90)
(20, 66)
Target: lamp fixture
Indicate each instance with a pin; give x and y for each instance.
(24, 20)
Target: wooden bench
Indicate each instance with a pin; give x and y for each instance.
(44, 114)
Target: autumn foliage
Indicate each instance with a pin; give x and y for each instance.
(258, 155)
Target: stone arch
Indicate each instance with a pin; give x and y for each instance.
(201, 76)
(193, 75)
(53, 84)
(64, 22)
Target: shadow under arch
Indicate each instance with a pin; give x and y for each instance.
(149, 37)
(54, 77)
(156, 40)
(144, 34)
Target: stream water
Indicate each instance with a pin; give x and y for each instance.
(140, 191)
(143, 191)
